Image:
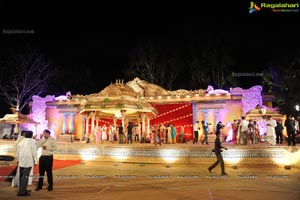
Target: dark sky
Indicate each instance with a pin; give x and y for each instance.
(98, 37)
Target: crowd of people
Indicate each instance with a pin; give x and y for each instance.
(245, 132)
(164, 134)
(112, 133)
(242, 132)
(160, 134)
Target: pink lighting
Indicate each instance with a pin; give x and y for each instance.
(82, 115)
(39, 114)
(251, 97)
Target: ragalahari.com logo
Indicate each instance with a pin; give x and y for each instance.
(253, 7)
(275, 7)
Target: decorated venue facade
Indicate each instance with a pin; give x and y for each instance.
(145, 104)
(81, 117)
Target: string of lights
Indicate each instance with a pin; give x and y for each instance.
(171, 111)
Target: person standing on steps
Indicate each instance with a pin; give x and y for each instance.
(205, 132)
(278, 130)
(195, 127)
(291, 130)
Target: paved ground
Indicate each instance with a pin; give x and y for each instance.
(122, 181)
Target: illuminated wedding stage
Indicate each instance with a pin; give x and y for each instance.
(145, 104)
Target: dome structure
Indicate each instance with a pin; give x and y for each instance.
(117, 90)
(116, 97)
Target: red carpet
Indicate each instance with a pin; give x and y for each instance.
(57, 164)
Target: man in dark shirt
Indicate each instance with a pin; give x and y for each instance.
(278, 131)
(120, 134)
(129, 132)
(219, 127)
(218, 149)
(291, 130)
(205, 132)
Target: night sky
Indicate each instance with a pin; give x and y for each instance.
(98, 38)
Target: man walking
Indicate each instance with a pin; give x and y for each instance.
(49, 146)
(218, 149)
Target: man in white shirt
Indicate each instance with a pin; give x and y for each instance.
(244, 130)
(16, 172)
(49, 146)
(195, 140)
(271, 135)
(26, 156)
(14, 175)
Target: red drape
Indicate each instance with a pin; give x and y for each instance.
(179, 114)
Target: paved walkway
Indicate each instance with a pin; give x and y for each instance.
(138, 181)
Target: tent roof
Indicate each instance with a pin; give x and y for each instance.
(17, 118)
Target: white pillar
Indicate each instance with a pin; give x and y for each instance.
(211, 119)
(140, 134)
(87, 119)
(83, 124)
(216, 116)
(148, 126)
(123, 114)
(72, 123)
(194, 107)
(143, 117)
(206, 115)
(93, 124)
(64, 126)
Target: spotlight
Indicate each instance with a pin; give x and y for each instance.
(287, 167)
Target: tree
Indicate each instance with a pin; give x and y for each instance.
(197, 65)
(211, 60)
(282, 79)
(24, 75)
(205, 59)
(150, 63)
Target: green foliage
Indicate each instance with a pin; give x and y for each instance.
(282, 80)
(139, 106)
(120, 105)
(106, 100)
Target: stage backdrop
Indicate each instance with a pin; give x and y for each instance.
(179, 114)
